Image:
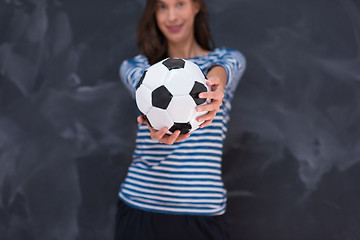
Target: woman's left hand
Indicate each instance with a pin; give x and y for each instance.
(216, 95)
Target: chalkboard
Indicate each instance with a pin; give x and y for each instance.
(67, 123)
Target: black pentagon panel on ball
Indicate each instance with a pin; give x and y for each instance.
(183, 127)
(196, 90)
(141, 80)
(174, 63)
(161, 97)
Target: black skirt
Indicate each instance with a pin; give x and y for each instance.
(135, 224)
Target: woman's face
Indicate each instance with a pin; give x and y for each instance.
(175, 19)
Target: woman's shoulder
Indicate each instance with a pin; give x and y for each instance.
(226, 54)
(226, 51)
(136, 61)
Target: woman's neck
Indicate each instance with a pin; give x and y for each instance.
(185, 50)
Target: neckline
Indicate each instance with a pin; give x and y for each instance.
(203, 56)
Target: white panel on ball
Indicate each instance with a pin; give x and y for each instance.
(181, 108)
(195, 71)
(156, 77)
(143, 99)
(159, 118)
(179, 82)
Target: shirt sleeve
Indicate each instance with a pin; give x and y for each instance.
(131, 71)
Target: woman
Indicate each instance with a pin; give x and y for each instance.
(174, 189)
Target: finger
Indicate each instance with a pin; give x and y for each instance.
(206, 123)
(182, 137)
(158, 134)
(218, 95)
(140, 119)
(213, 106)
(207, 117)
(173, 137)
(170, 139)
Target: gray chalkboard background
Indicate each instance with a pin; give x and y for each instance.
(67, 124)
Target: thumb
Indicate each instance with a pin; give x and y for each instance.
(213, 81)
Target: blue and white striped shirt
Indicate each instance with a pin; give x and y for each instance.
(183, 178)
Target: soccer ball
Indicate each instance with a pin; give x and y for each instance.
(168, 93)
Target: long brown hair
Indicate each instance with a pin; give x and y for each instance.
(152, 43)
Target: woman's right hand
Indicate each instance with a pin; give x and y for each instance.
(161, 135)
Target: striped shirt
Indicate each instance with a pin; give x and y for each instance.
(183, 178)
